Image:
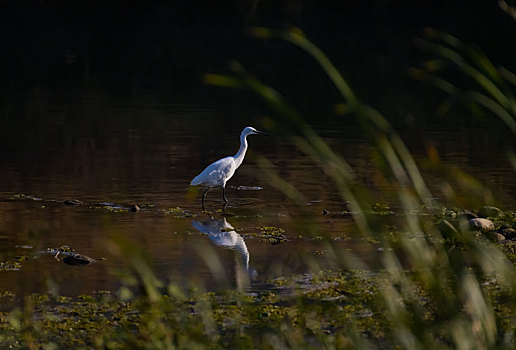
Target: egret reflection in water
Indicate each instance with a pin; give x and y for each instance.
(223, 234)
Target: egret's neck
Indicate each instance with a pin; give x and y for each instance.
(239, 156)
(241, 247)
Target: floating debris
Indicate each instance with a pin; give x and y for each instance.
(247, 188)
(336, 214)
(70, 256)
(72, 202)
(26, 196)
(321, 252)
(112, 207)
(62, 249)
(24, 246)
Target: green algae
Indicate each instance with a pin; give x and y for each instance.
(101, 320)
(382, 209)
(15, 264)
(177, 212)
(271, 234)
(268, 234)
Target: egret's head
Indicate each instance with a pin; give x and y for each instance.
(252, 131)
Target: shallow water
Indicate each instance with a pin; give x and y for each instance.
(110, 153)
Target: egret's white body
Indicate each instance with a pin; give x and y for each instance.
(218, 173)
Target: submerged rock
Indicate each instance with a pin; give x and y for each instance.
(488, 211)
(481, 224)
(78, 259)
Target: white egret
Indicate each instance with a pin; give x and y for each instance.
(219, 172)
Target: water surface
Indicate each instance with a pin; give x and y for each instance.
(96, 147)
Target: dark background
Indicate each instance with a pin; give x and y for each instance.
(122, 51)
(133, 45)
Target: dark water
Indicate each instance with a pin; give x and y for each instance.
(140, 152)
(119, 114)
(96, 147)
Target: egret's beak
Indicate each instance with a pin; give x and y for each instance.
(261, 133)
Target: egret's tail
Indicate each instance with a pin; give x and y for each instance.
(195, 181)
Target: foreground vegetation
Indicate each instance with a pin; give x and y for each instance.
(330, 309)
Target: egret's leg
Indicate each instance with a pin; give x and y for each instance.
(203, 196)
(224, 194)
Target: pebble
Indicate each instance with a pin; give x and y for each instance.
(481, 224)
(507, 232)
(496, 237)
